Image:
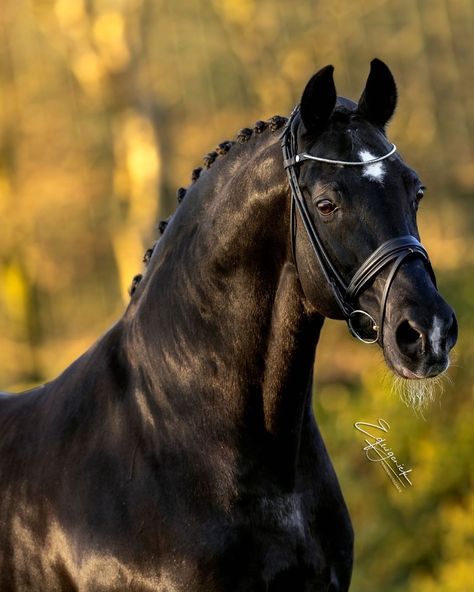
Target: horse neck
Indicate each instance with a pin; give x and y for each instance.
(219, 324)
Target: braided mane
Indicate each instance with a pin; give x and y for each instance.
(273, 124)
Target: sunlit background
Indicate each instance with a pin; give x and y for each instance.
(105, 108)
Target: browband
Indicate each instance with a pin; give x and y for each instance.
(304, 156)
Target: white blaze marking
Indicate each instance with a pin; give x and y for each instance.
(435, 336)
(376, 171)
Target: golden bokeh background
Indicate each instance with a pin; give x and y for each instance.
(105, 108)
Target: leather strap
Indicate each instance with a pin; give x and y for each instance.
(388, 251)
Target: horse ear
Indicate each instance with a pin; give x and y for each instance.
(318, 100)
(379, 99)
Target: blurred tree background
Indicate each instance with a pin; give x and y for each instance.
(107, 105)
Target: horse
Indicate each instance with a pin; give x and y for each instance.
(181, 452)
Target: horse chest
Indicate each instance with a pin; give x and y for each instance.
(266, 542)
(268, 548)
(261, 544)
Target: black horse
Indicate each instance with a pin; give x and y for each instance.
(180, 453)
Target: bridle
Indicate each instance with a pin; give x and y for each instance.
(361, 324)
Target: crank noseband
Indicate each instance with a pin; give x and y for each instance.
(395, 251)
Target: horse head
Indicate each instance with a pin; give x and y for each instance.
(354, 227)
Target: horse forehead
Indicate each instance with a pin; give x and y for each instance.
(366, 147)
(358, 141)
(375, 171)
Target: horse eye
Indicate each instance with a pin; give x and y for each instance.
(419, 196)
(326, 207)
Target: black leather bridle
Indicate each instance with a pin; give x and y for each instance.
(361, 324)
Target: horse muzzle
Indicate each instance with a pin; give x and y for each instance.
(419, 336)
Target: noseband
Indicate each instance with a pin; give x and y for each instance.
(395, 250)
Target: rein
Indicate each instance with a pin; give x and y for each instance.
(361, 324)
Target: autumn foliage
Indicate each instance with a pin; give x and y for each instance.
(105, 108)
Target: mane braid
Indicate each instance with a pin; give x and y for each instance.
(195, 174)
(180, 193)
(209, 159)
(135, 281)
(274, 124)
(163, 224)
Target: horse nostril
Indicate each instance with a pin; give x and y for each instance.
(409, 339)
(452, 335)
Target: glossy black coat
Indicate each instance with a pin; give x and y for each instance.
(181, 453)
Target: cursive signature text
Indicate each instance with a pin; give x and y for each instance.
(378, 450)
